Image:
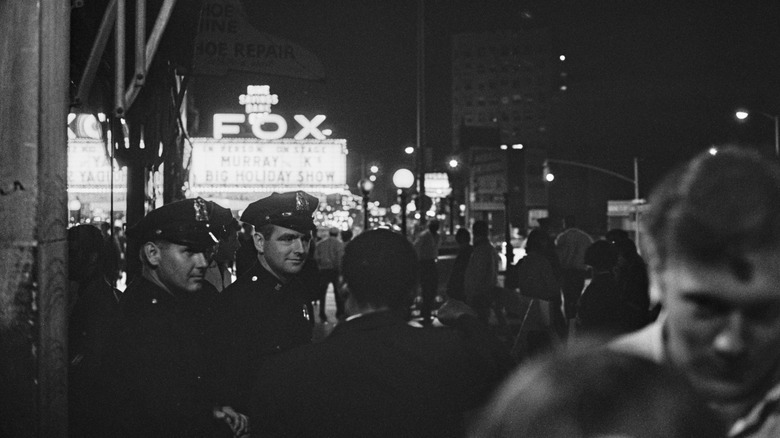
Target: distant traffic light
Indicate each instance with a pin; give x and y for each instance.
(548, 176)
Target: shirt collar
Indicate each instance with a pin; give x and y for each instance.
(757, 414)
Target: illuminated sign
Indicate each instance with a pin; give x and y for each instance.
(257, 104)
(242, 165)
(90, 176)
(258, 99)
(89, 169)
(437, 185)
(84, 126)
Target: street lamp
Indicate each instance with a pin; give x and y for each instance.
(403, 179)
(743, 114)
(366, 185)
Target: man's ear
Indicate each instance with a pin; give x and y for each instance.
(151, 253)
(259, 241)
(657, 288)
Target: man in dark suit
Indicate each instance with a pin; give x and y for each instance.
(376, 375)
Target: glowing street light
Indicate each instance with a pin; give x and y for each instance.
(403, 179)
(743, 114)
(409, 150)
(374, 168)
(365, 187)
(453, 163)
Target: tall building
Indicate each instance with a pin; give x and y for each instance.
(505, 80)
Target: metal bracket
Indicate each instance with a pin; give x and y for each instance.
(144, 52)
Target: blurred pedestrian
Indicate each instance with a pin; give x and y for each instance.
(481, 276)
(328, 253)
(455, 288)
(539, 284)
(596, 393)
(571, 245)
(375, 375)
(713, 243)
(632, 280)
(427, 247)
(246, 254)
(112, 254)
(346, 236)
(225, 227)
(603, 310)
(93, 318)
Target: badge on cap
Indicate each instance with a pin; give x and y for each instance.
(301, 203)
(201, 210)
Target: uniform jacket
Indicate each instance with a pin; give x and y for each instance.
(377, 376)
(255, 317)
(157, 366)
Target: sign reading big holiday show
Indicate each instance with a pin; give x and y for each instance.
(238, 170)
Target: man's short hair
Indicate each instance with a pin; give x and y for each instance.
(462, 236)
(714, 210)
(480, 229)
(596, 392)
(266, 230)
(601, 255)
(380, 268)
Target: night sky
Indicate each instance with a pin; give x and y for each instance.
(656, 80)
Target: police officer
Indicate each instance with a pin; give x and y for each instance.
(157, 363)
(265, 311)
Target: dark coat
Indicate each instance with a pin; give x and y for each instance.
(455, 283)
(377, 376)
(255, 317)
(602, 309)
(92, 326)
(157, 365)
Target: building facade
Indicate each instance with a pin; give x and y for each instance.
(505, 81)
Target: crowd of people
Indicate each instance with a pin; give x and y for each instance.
(684, 342)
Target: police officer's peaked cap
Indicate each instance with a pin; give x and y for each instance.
(184, 222)
(221, 220)
(294, 210)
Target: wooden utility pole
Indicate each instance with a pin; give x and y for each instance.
(34, 65)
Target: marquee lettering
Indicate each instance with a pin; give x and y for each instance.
(262, 126)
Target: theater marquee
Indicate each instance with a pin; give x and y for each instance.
(243, 169)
